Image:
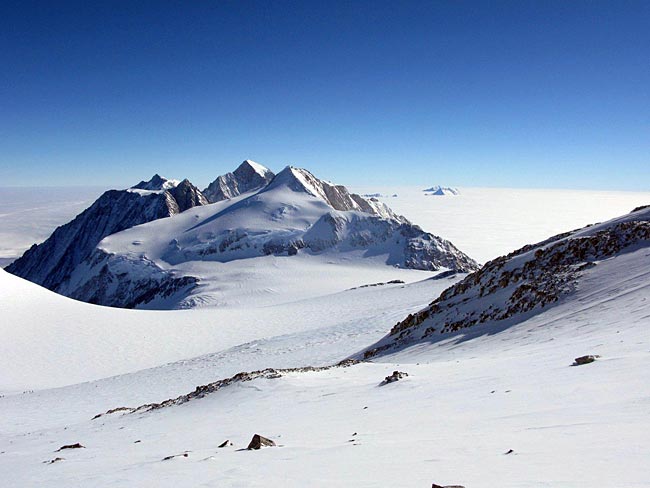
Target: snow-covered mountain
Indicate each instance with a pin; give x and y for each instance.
(249, 176)
(159, 264)
(51, 263)
(512, 288)
(441, 191)
(156, 183)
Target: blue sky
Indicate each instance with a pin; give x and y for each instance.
(526, 94)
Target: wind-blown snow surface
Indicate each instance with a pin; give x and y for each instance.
(466, 402)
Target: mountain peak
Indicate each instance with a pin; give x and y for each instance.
(156, 183)
(248, 176)
(441, 190)
(249, 165)
(336, 196)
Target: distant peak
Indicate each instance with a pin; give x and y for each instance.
(156, 183)
(248, 165)
(442, 190)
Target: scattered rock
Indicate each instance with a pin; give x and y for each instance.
(70, 446)
(138, 441)
(113, 410)
(396, 376)
(585, 359)
(510, 451)
(167, 458)
(55, 460)
(258, 441)
(433, 485)
(225, 443)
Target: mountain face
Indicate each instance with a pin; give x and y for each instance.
(249, 176)
(50, 264)
(512, 288)
(336, 196)
(295, 213)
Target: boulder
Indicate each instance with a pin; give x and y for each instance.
(258, 441)
(396, 376)
(590, 358)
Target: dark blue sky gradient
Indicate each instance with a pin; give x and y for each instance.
(529, 94)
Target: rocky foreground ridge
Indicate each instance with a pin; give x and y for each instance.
(522, 283)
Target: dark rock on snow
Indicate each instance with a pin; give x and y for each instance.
(585, 360)
(70, 446)
(258, 441)
(396, 376)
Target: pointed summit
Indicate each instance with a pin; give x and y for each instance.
(249, 176)
(156, 183)
(336, 196)
(248, 167)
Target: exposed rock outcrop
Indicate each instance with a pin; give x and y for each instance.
(521, 283)
(249, 176)
(258, 442)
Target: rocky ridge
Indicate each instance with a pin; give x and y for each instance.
(51, 263)
(521, 283)
(249, 176)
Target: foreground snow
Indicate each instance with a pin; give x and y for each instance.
(467, 401)
(470, 397)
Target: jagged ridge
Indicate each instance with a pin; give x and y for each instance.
(521, 283)
(51, 263)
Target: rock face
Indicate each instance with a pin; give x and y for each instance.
(258, 442)
(522, 283)
(249, 176)
(187, 195)
(51, 263)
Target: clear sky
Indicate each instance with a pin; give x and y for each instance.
(516, 93)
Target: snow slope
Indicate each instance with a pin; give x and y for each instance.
(47, 337)
(485, 407)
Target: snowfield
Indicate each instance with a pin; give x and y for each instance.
(492, 405)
